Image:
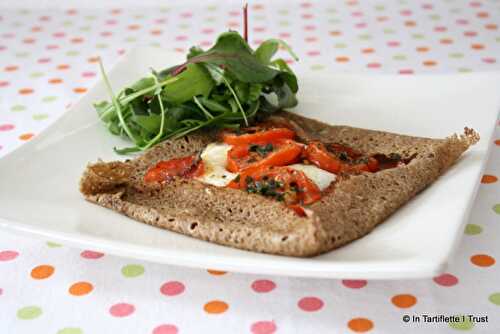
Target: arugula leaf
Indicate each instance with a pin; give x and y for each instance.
(266, 51)
(195, 80)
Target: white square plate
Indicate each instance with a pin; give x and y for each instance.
(39, 182)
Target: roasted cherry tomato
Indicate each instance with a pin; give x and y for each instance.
(339, 149)
(372, 165)
(299, 210)
(283, 183)
(257, 135)
(318, 155)
(280, 152)
(165, 171)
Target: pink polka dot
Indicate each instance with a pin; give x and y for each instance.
(172, 288)
(166, 329)
(489, 60)
(121, 310)
(88, 74)
(91, 255)
(6, 127)
(354, 283)
(373, 65)
(263, 285)
(8, 255)
(393, 44)
(446, 280)
(59, 34)
(4, 83)
(263, 327)
(310, 27)
(284, 35)
(310, 304)
(1, 291)
(406, 71)
(462, 22)
(313, 53)
(181, 38)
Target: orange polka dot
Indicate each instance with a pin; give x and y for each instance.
(368, 50)
(410, 23)
(429, 63)
(55, 81)
(335, 33)
(491, 26)
(216, 272)
(489, 179)
(477, 46)
(342, 59)
(80, 288)
(11, 68)
(422, 49)
(93, 60)
(26, 91)
(43, 271)
(26, 136)
(497, 142)
(404, 301)
(216, 307)
(133, 27)
(76, 40)
(360, 325)
(483, 15)
(482, 260)
(63, 67)
(80, 90)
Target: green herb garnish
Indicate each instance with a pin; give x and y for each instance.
(262, 150)
(228, 86)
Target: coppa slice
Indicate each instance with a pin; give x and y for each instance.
(254, 222)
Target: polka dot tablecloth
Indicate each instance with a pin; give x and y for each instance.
(48, 60)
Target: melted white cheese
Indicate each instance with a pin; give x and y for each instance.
(320, 177)
(214, 160)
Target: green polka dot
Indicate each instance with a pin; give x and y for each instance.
(17, 108)
(403, 2)
(164, 9)
(399, 57)
(284, 23)
(418, 36)
(67, 24)
(496, 208)
(17, 24)
(132, 270)
(49, 99)
(332, 10)
(35, 75)
(211, 8)
(334, 21)
(155, 45)
(22, 54)
(259, 17)
(495, 298)
(70, 330)
(90, 17)
(130, 39)
(210, 19)
(379, 7)
(497, 39)
(456, 55)
(464, 70)
(340, 46)
(40, 117)
(388, 31)
(53, 244)
(184, 26)
(365, 37)
(463, 325)
(455, 10)
(85, 28)
(473, 229)
(24, 11)
(435, 17)
(139, 16)
(72, 53)
(283, 11)
(317, 67)
(29, 312)
(101, 45)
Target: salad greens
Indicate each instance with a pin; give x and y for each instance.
(228, 86)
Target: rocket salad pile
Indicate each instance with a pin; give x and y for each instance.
(228, 86)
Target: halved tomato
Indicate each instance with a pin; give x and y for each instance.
(284, 183)
(257, 135)
(317, 154)
(165, 171)
(280, 152)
